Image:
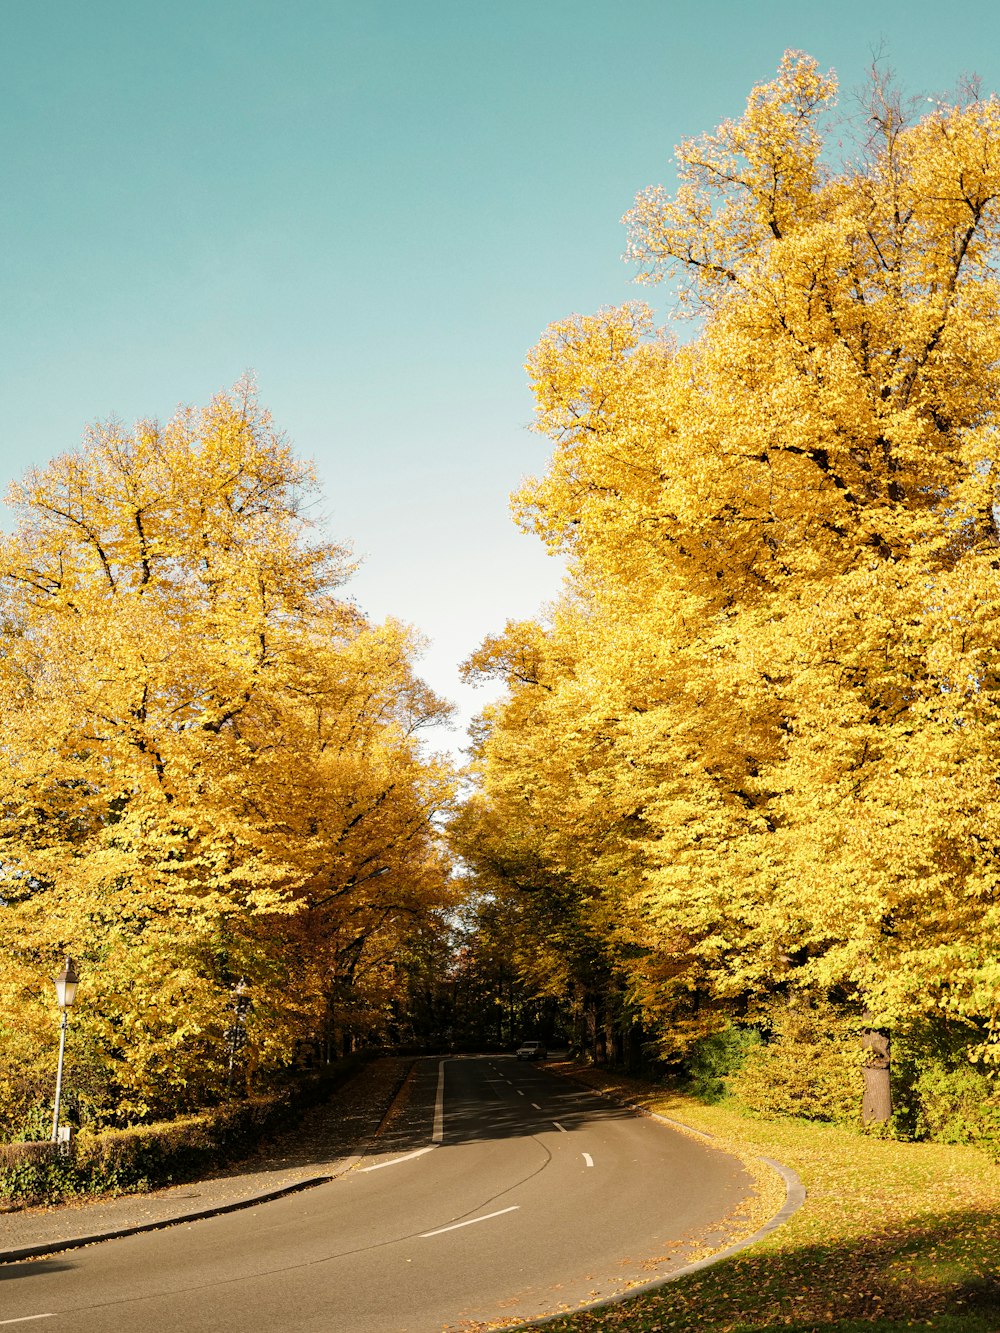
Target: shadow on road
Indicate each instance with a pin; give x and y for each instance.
(33, 1268)
(481, 1106)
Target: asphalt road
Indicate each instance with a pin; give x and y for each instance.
(509, 1194)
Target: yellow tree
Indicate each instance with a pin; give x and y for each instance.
(784, 555)
(552, 834)
(200, 742)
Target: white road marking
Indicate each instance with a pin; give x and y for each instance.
(26, 1317)
(588, 1159)
(562, 1128)
(407, 1157)
(536, 1106)
(520, 1093)
(438, 1135)
(471, 1222)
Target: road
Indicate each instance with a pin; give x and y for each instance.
(512, 1193)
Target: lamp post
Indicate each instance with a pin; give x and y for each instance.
(66, 983)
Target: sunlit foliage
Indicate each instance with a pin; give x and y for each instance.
(756, 745)
(209, 766)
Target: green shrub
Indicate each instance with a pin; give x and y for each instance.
(36, 1172)
(811, 1067)
(937, 1092)
(714, 1059)
(959, 1104)
(125, 1160)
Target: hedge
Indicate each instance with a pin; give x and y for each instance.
(142, 1157)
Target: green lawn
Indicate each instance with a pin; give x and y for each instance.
(892, 1236)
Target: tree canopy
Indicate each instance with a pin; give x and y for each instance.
(210, 766)
(755, 747)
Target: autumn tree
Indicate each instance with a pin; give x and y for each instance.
(546, 835)
(782, 608)
(210, 766)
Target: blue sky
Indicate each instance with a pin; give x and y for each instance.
(377, 207)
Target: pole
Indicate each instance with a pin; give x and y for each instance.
(59, 1073)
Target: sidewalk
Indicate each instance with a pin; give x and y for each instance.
(330, 1139)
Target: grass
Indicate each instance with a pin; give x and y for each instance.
(892, 1236)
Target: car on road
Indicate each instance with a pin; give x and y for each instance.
(531, 1050)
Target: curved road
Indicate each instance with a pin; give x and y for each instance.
(513, 1193)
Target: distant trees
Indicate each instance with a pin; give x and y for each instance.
(753, 755)
(209, 767)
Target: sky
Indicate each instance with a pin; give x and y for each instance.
(377, 208)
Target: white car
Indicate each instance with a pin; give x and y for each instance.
(532, 1050)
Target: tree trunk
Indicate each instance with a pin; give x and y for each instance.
(579, 1024)
(876, 1104)
(593, 1030)
(633, 1048)
(616, 1042)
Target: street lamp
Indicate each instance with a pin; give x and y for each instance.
(66, 983)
